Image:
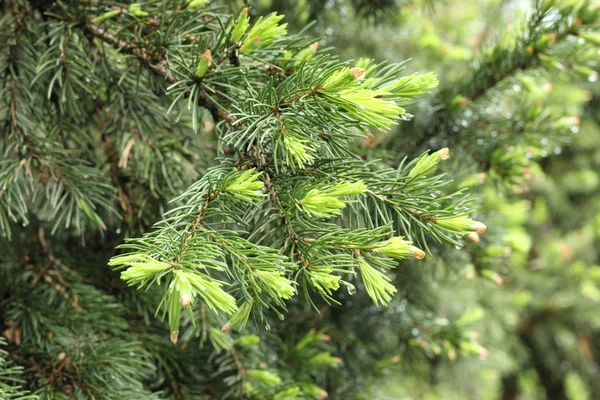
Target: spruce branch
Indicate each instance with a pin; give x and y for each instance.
(159, 67)
(533, 49)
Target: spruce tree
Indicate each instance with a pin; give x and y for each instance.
(196, 203)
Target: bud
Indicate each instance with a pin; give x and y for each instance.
(105, 16)
(399, 248)
(473, 237)
(241, 25)
(428, 163)
(264, 32)
(325, 202)
(61, 356)
(174, 336)
(591, 37)
(358, 73)
(347, 189)
(459, 101)
(246, 186)
(444, 153)
(478, 227)
(136, 9)
(248, 341)
(494, 277)
(461, 224)
(226, 327)
(339, 80)
(185, 300)
(197, 3)
(585, 72)
(250, 45)
(204, 63)
(306, 53)
(417, 253)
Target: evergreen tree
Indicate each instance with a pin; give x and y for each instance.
(265, 206)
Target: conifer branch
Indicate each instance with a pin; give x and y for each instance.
(159, 67)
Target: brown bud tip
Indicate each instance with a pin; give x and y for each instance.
(551, 38)
(529, 49)
(498, 280)
(226, 327)
(575, 121)
(484, 352)
(208, 55)
(437, 351)
(61, 356)
(174, 336)
(185, 300)
(469, 276)
(312, 331)
(482, 176)
(245, 11)
(577, 22)
(476, 335)
(510, 27)
(396, 359)
(324, 394)
(337, 360)
(473, 237)
(560, 67)
(478, 227)
(358, 73)
(314, 46)
(256, 39)
(547, 87)
(417, 253)
(452, 356)
(326, 338)
(444, 153)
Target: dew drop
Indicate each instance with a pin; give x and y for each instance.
(351, 289)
